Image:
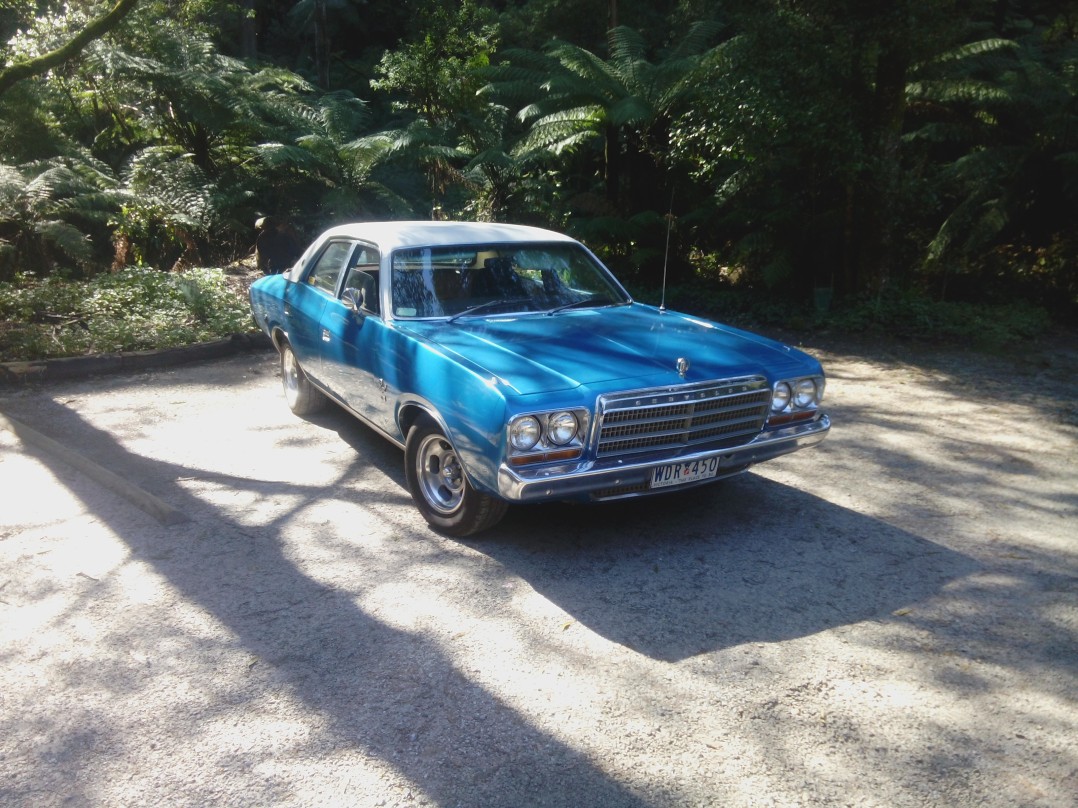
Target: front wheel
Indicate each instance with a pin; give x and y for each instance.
(303, 398)
(440, 488)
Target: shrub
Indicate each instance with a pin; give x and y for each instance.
(136, 309)
(904, 315)
(913, 316)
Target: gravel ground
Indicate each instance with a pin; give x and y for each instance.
(890, 619)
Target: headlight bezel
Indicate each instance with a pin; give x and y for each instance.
(795, 399)
(562, 435)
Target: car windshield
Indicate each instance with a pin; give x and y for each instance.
(499, 279)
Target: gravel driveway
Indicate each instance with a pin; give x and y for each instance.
(890, 619)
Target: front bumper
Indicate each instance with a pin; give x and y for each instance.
(620, 478)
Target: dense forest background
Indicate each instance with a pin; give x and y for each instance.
(810, 151)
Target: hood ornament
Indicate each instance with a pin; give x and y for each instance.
(682, 366)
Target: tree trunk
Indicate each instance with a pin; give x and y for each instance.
(875, 193)
(612, 172)
(321, 43)
(248, 30)
(95, 29)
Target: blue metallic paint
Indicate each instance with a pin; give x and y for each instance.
(473, 374)
(626, 346)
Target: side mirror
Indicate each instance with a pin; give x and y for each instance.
(361, 292)
(353, 299)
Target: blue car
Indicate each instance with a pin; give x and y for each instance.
(511, 366)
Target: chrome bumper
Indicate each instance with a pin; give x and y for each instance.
(592, 479)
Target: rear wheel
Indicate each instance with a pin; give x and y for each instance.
(303, 398)
(440, 488)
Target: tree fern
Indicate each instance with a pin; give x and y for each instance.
(48, 209)
(569, 86)
(1011, 118)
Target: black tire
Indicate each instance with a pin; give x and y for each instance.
(440, 488)
(302, 397)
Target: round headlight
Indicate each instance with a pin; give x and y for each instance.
(804, 393)
(780, 397)
(561, 428)
(524, 433)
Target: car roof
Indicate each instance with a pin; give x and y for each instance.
(395, 235)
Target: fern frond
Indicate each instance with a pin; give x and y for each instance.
(626, 45)
(369, 149)
(64, 237)
(278, 156)
(974, 49)
(12, 183)
(631, 110)
(697, 40)
(977, 93)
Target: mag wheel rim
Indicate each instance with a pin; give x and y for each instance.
(440, 476)
(290, 375)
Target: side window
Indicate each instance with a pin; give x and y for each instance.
(327, 269)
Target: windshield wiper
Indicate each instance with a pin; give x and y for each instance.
(490, 304)
(594, 300)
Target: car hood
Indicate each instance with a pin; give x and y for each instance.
(621, 347)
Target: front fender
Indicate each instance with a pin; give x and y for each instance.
(469, 408)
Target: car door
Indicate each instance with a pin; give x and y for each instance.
(306, 301)
(353, 335)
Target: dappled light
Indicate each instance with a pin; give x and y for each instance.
(891, 614)
(240, 581)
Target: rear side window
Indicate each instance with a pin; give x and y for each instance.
(327, 268)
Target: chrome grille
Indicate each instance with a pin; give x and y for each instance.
(722, 413)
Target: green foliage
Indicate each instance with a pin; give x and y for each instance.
(913, 316)
(137, 309)
(611, 120)
(436, 73)
(726, 303)
(852, 147)
(533, 23)
(456, 138)
(997, 118)
(575, 93)
(49, 208)
(892, 315)
(203, 144)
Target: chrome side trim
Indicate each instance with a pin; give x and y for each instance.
(363, 419)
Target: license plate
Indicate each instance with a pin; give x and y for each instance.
(681, 473)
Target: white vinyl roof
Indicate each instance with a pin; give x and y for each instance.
(390, 236)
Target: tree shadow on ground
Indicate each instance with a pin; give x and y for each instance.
(748, 560)
(429, 721)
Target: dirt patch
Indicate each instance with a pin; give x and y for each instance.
(886, 620)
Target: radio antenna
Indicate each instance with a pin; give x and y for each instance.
(666, 254)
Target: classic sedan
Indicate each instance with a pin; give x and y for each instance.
(511, 366)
